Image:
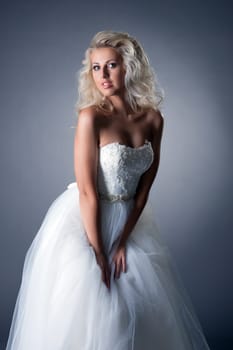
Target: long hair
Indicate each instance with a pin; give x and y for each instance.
(142, 90)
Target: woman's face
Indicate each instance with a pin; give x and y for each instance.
(107, 71)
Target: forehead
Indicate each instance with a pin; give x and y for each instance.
(103, 54)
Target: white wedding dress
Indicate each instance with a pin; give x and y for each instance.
(63, 304)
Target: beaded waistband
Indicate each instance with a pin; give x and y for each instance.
(108, 197)
(115, 197)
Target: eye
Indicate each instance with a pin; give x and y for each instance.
(112, 64)
(94, 67)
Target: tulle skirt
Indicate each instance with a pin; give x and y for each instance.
(63, 304)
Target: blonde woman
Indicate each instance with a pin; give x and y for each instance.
(97, 275)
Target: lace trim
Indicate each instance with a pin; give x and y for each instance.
(147, 142)
(115, 197)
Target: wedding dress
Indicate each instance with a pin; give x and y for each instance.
(63, 304)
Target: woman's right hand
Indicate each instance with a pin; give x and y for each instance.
(104, 266)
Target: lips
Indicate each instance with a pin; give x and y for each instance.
(107, 84)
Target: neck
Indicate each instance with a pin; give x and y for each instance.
(121, 107)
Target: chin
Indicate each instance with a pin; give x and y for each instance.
(110, 93)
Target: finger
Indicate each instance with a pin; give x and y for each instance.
(103, 277)
(106, 272)
(106, 275)
(108, 278)
(118, 269)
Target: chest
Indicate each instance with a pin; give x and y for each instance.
(132, 132)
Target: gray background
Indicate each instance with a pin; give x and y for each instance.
(189, 45)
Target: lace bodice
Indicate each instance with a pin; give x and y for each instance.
(120, 168)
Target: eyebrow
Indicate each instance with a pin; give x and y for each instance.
(112, 59)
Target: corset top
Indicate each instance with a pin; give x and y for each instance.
(120, 168)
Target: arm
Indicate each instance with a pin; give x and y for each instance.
(146, 179)
(85, 166)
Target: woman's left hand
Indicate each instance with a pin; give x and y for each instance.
(119, 258)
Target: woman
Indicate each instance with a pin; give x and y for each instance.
(97, 275)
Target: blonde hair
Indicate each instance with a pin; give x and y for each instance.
(142, 90)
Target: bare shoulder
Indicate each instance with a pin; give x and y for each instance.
(156, 124)
(88, 118)
(156, 119)
(89, 113)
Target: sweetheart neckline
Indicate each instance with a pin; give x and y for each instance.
(147, 142)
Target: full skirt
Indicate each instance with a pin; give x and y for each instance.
(63, 304)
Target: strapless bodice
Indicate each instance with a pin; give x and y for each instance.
(120, 168)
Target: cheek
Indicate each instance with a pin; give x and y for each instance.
(120, 77)
(95, 78)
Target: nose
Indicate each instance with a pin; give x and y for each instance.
(105, 72)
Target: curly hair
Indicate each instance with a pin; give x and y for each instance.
(142, 90)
